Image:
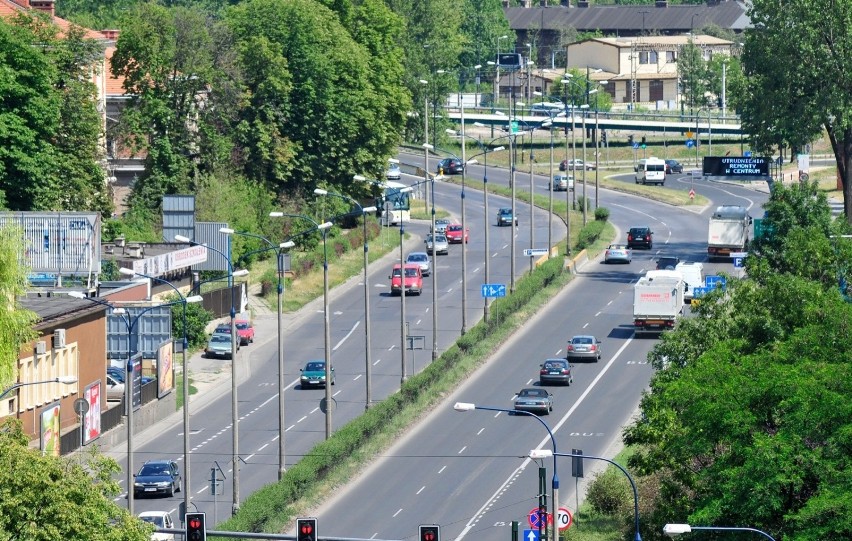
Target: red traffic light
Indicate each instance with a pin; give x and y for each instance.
(196, 530)
(430, 532)
(306, 529)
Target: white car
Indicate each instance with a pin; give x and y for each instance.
(441, 245)
(160, 519)
(114, 389)
(441, 225)
(421, 259)
(618, 253)
(393, 172)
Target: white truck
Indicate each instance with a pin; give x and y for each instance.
(657, 303)
(651, 171)
(729, 231)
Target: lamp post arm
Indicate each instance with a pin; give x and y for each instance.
(733, 529)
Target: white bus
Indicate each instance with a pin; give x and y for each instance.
(394, 203)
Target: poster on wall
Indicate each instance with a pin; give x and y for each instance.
(165, 369)
(50, 430)
(92, 419)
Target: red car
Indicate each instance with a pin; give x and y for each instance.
(454, 234)
(245, 331)
(413, 280)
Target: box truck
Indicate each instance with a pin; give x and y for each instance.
(728, 232)
(657, 303)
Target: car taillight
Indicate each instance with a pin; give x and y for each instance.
(594, 347)
(570, 347)
(629, 237)
(542, 371)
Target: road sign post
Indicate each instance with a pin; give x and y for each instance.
(564, 519)
(493, 290)
(532, 252)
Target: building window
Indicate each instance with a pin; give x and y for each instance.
(671, 57)
(707, 54)
(51, 365)
(655, 90)
(648, 57)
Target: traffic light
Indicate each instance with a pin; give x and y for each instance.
(630, 140)
(430, 532)
(643, 141)
(306, 529)
(196, 529)
(603, 136)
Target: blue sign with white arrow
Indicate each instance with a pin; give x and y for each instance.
(531, 535)
(698, 292)
(493, 290)
(690, 143)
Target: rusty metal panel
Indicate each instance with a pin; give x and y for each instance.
(59, 243)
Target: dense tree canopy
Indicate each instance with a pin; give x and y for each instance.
(15, 323)
(798, 63)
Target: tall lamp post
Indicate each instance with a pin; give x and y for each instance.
(185, 377)
(554, 503)
(485, 154)
(511, 138)
(547, 453)
(323, 228)
(549, 125)
(282, 466)
(363, 211)
(427, 147)
(235, 417)
(673, 530)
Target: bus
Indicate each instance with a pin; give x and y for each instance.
(394, 203)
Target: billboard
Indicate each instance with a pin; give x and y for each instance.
(170, 261)
(165, 369)
(746, 168)
(50, 431)
(509, 60)
(59, 243)
(92, 419)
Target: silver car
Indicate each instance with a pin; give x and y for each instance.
(441, 225)
(439, 246)
(534, 400)
(219, 346)
(618, 253)
(422, 259)
(585, 347)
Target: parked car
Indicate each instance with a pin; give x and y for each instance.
(673, 166)
(455, 234)
(667, 262)
(393, 172)
(450, 166)
(441, 225)
(575, 164)
(585, 347)
(440, 245)
(563, 182)
(219, 345)
(422, 260)
(118, 375)
(157, 477)
(640, 237)
(313, 374)
(413, 279)
(225, 328)
(114, 389)
(504, 216)
(618, 253)
(160, 519)
(245, 331)
(555, 371)
(534, 401)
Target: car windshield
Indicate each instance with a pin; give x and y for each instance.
(533, 393)
(156, 521)
(223, 329)
(417, 258)
(317, 366)
(582, 340)
(396, 272)
(505, 211)
(454, 228)
(242, 326)
(410, 273)
(154, 469)
(220, 338)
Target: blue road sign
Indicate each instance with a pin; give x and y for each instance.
(635, 146)
(530, 535)
(738, 262)
(493, 290)
(698, 292)
(714, 281)
(690, 143)
(747, 154)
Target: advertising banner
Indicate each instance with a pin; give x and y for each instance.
(92, 419)
(165, 369)
(50, 430)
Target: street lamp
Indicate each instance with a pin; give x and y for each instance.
(549, 125)
(485, 154)
(511, 137)
(554, 504)
(185, 377)
(65, 380)
(323, 228)
(546, 453)
(427, 147)
(282, 467)
(235, 418)
(673, 530)
(584, 107)
(363, 211)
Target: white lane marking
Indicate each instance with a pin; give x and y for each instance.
(558, 352)
(599, 313)
(610, 302)
(302, 419)
(418, 322)
(450, 290)
(398, 512)
(489, 502)
(249, 457)
(202, 490)
(586, 325)
(335, 394)
(357, 377)
(481, 430)
(442, 469)
(262, 447)
(314, 410)
(347, 336)
(462, 450)
(377, 362)
(529, 382)
(391, 348)
(421, 490)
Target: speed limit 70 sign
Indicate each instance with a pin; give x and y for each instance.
(563, 519)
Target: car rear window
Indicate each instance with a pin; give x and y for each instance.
(582, 340)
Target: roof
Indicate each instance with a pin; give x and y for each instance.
(50, 309)
(662, 42)
(9, 8)
(621, 20)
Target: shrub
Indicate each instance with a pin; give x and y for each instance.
(601, 214)
(610, 493)
(589, 234)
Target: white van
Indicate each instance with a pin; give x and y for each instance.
(693, 275)
(653, 274)
(653, 171)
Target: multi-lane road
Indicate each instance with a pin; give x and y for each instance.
(458, 470)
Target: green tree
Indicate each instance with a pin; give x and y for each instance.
(798, 65)
(694, 76)
(45, 498)
(483, 21)
(15, 323)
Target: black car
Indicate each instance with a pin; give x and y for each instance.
(450, 166)
(667, 263)
(157, 477)
(640, 237)
(673, 166)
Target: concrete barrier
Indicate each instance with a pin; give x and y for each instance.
(579, 260)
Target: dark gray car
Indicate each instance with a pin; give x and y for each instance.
(157, 477)
(555, 371)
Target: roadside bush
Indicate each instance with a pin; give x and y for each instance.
(601, 214)
(610, 493)
(590, 233)
(197, 318)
